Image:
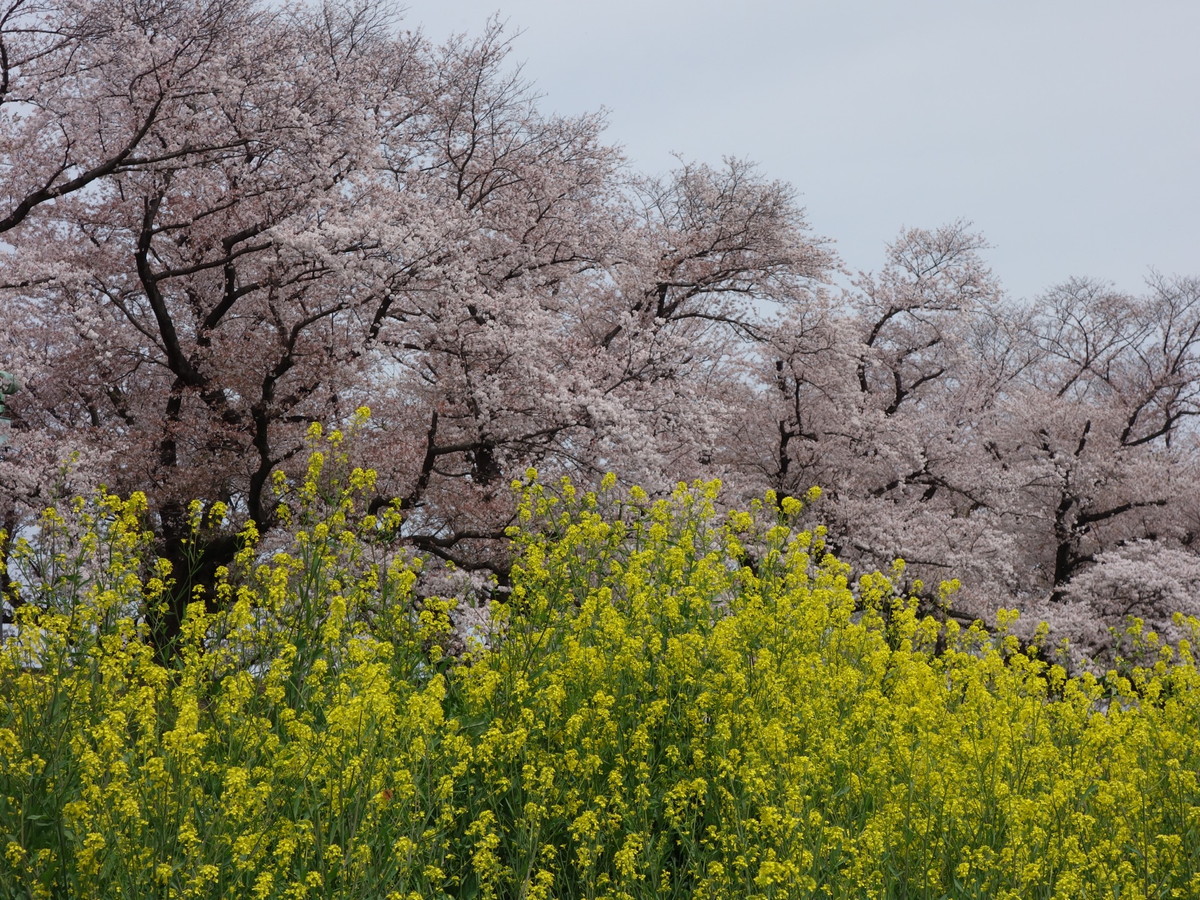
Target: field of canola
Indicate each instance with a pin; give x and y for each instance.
(671, 703)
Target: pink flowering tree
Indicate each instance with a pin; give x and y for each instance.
(879, 395)
(1104, 421)
(239, 220)
(1041, 454)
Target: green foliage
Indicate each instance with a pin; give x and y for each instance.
(670, 703)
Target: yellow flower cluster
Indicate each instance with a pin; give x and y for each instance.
(673, 702)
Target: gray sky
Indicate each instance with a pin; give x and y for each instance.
(1068, 132)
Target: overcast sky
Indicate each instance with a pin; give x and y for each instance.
(1068, 132)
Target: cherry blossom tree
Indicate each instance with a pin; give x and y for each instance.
(875, 395)
(1103, 420)
(194, 277)
(241, 220)
(1043, 454)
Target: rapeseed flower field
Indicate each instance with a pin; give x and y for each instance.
(670, 702)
